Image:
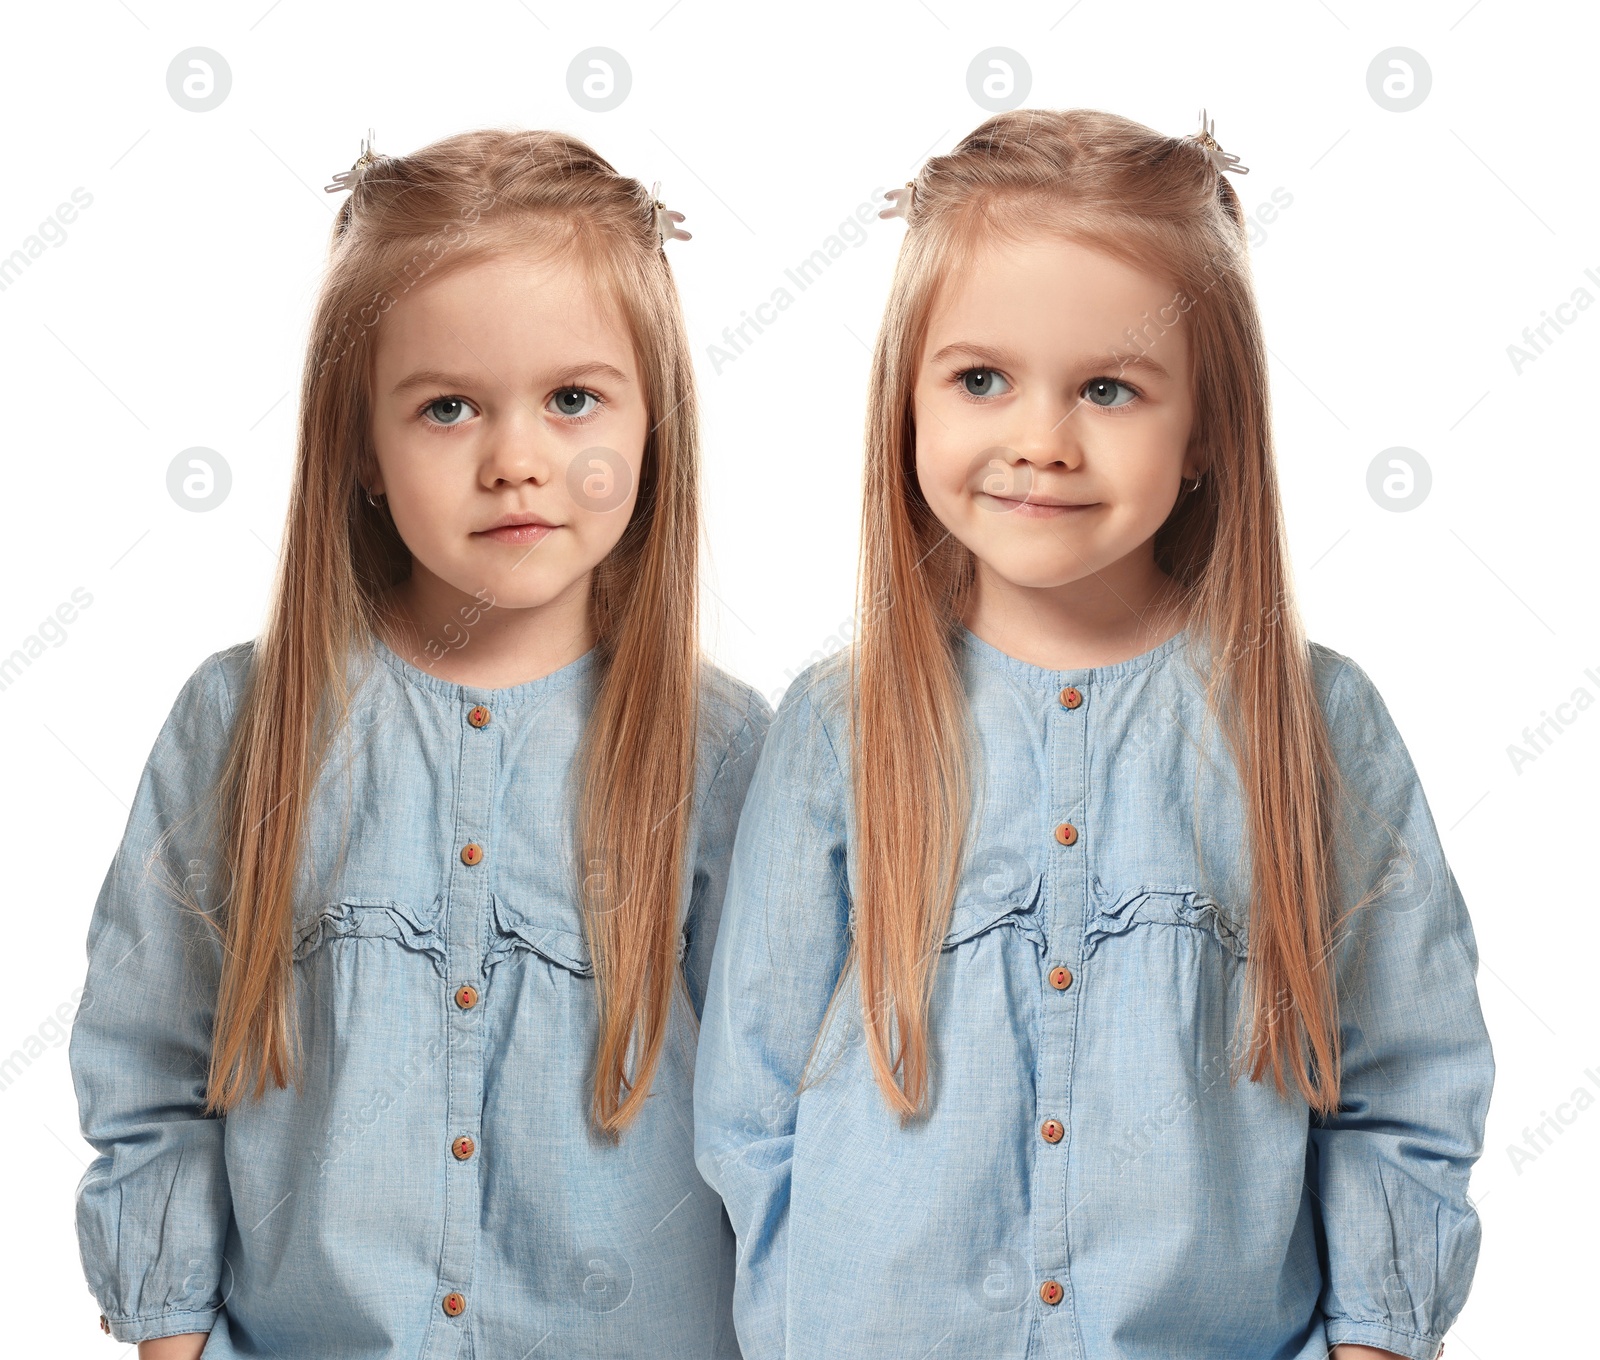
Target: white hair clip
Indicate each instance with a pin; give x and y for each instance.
(346, 179)
(666, 220)
(1223, 160)
(900, 200)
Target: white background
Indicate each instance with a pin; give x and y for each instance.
(1418, 245)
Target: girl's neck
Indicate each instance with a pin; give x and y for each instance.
(480, 641)
(1106, 618)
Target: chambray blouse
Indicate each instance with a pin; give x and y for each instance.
(435, 1190)
(1087, 1183)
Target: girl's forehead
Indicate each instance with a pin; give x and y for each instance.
(517, 298)
(1016, 268)
(1055, 290)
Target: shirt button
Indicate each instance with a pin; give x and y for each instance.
(466, 996)
(104, 1325)
(462, 1148)
(1066, 833)
(1060, 978)
(1050, 1292)
(478, 716)
(1071, 698)
(471, 853)
(1052, 1130)
(454, 1303)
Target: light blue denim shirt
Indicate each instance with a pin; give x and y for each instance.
(336, 1222)
(1082, 1128)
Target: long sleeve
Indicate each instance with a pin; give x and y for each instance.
(153, 1209)
(778, 955)
(1390, 1168)
(719, 823)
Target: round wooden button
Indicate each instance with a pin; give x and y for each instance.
(1052, 1131)
(1066, 833)
(466, 996)
(472, 853)
(478, 716)
(1060, 978)
(104, 1325)
(464, 1147)
(454, 1303)
(1071, 698)
(1050, 1292)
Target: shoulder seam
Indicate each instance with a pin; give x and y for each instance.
(822, 722)
(753, 706)
(217, 662)
(228, 705)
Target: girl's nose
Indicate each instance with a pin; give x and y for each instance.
(519, 449)
(1049, 432)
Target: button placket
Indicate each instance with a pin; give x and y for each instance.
(1067, 885)
(465, 923)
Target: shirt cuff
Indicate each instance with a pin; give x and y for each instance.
(154, 1325)
(1348, 1331)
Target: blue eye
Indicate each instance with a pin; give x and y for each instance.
(447, 411)
(569, 402)
(981, 382)
(1101, 391)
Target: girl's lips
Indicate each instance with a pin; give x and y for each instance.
(1036, 510)
(518, 533)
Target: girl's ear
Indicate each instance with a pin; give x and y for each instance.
(369, 476)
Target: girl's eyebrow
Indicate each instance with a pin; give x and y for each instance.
(1001, 358)
(433, 377)
(1139, 359)
(1111, 360)
(429, 377)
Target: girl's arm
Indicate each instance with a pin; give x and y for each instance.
(153, 1209)
(778, 953)
(1390, 1168)
(186, 1346)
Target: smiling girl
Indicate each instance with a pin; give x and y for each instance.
(1092, 982)
(388, 1039)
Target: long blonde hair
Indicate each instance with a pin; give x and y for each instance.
(409, 219)
(1156, 202)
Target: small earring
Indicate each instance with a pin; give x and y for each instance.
(1196, 485)
(374, 500)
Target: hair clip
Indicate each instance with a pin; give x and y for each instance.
(1223, 160)
(901, 201)
(666, 220)
(346, 179)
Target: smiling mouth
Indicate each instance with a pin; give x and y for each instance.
(1040, 508)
